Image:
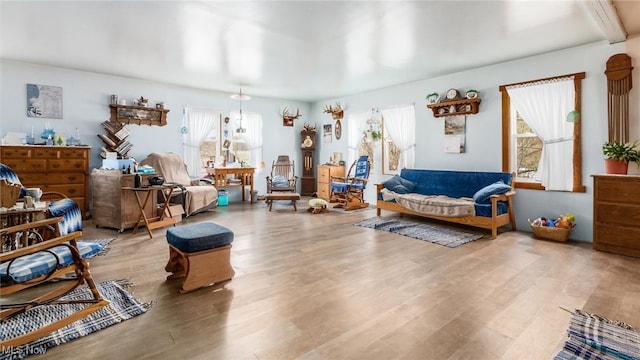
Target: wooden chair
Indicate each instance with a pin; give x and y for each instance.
(28, 259)
(348, 191)
(283, 177)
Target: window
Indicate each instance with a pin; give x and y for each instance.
(539, 143)
(245, 139)
(198, 125)
(527, 148)
(398, 139)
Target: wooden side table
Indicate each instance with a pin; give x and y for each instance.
(157, 221)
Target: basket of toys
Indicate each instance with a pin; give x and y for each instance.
(553, 229)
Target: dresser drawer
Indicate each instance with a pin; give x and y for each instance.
(52, 178)
(26, 165)
(73, 153)
(71, 190)
(15, 152)
(64, 165)
(47, 152)
(618, 190)
(323, 192)
(621, 214)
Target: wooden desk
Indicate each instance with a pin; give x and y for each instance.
(220, 177)
(157, 221)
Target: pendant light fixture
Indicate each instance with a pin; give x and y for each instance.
(240, 96)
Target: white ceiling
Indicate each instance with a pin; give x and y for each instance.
(302, 50)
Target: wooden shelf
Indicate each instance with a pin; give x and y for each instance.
(455, 107)
(140, 115)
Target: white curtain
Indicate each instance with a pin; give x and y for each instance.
(357, 123)
(401, 125)
(544, 107)
(253, 123)
(198, 124)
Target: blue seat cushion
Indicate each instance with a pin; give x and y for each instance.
(198, 237)
(33, 265)
(341, 187)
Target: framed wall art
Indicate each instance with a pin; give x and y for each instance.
(338, 129)
(44, 101)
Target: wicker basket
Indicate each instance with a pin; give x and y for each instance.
(551, 233)
(9, 193)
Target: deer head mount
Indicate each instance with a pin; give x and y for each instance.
(336, 112)
(287, 117)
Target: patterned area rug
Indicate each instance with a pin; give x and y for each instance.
(122, 307)
(594, 337)
(421, 231)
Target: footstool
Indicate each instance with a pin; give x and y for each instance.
(199, 253)
(282, 196)
(317, 206)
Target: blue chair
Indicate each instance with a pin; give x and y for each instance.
(348, 192)
(59, 205)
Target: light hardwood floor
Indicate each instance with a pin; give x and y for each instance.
(317, 287)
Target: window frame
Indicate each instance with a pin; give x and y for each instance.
(577, 134)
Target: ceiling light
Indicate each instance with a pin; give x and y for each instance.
(240, 96)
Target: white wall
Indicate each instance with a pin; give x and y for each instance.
(86, 98)
(483, 132)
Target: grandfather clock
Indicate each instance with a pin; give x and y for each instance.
(308, 180)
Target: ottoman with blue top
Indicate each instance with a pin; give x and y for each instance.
(199, 253)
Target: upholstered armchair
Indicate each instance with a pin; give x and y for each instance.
(195, 195)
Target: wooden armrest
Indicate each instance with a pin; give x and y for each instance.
(341, 178)
(31, 225)
(52, 195)
(31, 249)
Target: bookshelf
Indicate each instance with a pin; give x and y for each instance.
(115, 140)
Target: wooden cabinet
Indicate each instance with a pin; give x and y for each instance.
(114, 207)
(308, 180)
(64, 169)
(325, 172)
(616, 214)
(140, 115)
(455, 107)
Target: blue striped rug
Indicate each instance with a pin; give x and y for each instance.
(421, 231)
(122, 307)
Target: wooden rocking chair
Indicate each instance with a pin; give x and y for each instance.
(24, 246)
(283, 177)
(348, 191)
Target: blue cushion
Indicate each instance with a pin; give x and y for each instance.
(198, 237)
(399, 185)
(31, 266)
(483, 196)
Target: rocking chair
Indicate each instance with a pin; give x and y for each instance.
(349, 192)
(28, 259)
(282, 178)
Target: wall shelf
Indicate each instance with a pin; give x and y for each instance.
(140, 115)
(455, 107)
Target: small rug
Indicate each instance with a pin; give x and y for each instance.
(431, 233)
(122, 307)
(103, 242)
(595, 337)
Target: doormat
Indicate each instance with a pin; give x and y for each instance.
(421, 231)
(122, 307)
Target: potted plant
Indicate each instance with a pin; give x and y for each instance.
(618, 156)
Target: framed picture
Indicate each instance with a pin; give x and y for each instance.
(326, 135)
(338, 129)
(44, 101)
(390, 157)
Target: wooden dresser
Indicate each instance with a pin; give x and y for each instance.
(64, 169)
(325, 172)
(113, 207)
(616, 214)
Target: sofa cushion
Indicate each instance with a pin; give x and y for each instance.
(483, 196)
(399, 185)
